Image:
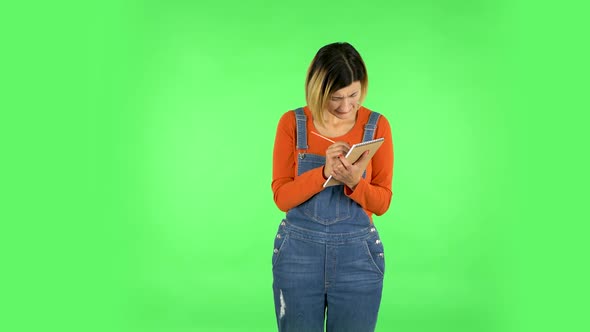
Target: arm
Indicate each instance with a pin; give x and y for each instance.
(375, 194)
(290, 190)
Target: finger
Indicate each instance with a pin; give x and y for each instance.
(339, 146)
(344, 162)
(362, 157)
(341, 143)
(337, 174)
(337, 150)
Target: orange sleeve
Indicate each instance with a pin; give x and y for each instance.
(374, 195)
(290, 190)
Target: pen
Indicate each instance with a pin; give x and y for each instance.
(324, 137)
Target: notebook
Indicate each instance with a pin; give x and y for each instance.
(354, 154)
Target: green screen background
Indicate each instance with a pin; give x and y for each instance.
(154, 124)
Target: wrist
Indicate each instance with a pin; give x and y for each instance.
(352, 185)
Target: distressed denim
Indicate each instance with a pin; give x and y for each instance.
(328, 261)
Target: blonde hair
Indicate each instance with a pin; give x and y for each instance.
(334, 67)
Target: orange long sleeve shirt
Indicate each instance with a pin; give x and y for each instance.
(373, 193)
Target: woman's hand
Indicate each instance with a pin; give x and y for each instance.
(347, 173)
(334, 150)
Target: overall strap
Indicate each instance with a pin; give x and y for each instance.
(301, 129)
(371, 126)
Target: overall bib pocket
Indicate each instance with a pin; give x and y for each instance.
(329, 206)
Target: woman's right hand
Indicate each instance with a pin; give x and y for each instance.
(334, 150)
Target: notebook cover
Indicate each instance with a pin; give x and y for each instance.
(354, 154)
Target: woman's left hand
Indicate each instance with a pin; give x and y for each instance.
(347, 173)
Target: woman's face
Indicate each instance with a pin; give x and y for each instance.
(343, 103)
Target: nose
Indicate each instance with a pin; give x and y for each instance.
(347, 104)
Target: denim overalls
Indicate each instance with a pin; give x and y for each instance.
(328, 257)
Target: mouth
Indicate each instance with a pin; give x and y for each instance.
(343, 112)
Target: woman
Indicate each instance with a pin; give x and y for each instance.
(328, 260)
